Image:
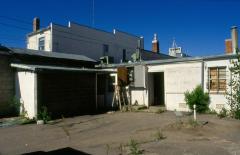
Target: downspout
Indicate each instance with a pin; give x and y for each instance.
(203, 68)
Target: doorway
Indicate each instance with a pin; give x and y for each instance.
(156, 89)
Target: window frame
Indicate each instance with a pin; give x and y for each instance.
(218, 79)
(124, 55)
(41, 43)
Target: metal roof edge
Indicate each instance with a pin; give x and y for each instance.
(52, 54)
(171, 60)
(47, 67)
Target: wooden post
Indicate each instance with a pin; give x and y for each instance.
(194, 112)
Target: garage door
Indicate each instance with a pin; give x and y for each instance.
(66, 93)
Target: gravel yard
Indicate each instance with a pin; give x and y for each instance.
(111, 134)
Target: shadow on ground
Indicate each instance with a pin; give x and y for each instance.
(63, 151)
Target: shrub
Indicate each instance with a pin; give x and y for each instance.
(233, 94)
(223, 113)
(237, 114)
(198, 97)
(44, 115)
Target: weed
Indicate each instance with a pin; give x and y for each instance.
(142, 107)
(44, 115)
(134, 148)
(159, 135)
(121, 148)
(28, 121)
(107, 149)
(193, 123)
(211, 111)
(160, 110)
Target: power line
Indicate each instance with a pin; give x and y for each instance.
(72, 34)
(13, 26)
(16, 19)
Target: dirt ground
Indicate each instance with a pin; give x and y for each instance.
(111, 133)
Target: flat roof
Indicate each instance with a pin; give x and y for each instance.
(49, 54)
(43, 67)
(171, 60)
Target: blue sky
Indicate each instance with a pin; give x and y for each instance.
(199, 26)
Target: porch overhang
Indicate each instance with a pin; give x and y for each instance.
(60, 68)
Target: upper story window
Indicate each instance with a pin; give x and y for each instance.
(105, 49)
(41, 43)
(124, 55)
(217, 79)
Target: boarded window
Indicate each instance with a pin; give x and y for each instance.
(217, 79)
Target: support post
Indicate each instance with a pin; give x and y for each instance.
(194, 112)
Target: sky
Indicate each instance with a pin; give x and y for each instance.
(198, 26)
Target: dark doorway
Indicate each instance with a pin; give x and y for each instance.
(66, 94)
(158, 88)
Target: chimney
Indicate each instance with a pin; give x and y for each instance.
(234, 35)
(155, 44)
(36, 24)
(228, 46)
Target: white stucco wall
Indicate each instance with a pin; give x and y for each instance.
(32, 41)
(218, 99)
(139, 96)
(181, 77)
(178, 78)
(26, 91)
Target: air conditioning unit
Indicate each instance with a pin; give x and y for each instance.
(106, 60)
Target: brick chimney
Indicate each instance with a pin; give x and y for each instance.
(155, 44)
(36, 24)
(228, 46)
(234, 35)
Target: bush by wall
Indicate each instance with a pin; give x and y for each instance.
(198, 97)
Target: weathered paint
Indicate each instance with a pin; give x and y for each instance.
(26, 91)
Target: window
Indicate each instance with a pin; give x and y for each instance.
(41, 43)
(105, 49)
(217, 79)
(124, 55)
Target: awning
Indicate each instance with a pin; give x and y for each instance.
(75, 69)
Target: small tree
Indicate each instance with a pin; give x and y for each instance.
(198, 97)
(233, 95)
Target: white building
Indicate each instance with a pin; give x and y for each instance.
(164, 82)
(84, 40)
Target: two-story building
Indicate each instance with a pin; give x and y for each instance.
(84, 40)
